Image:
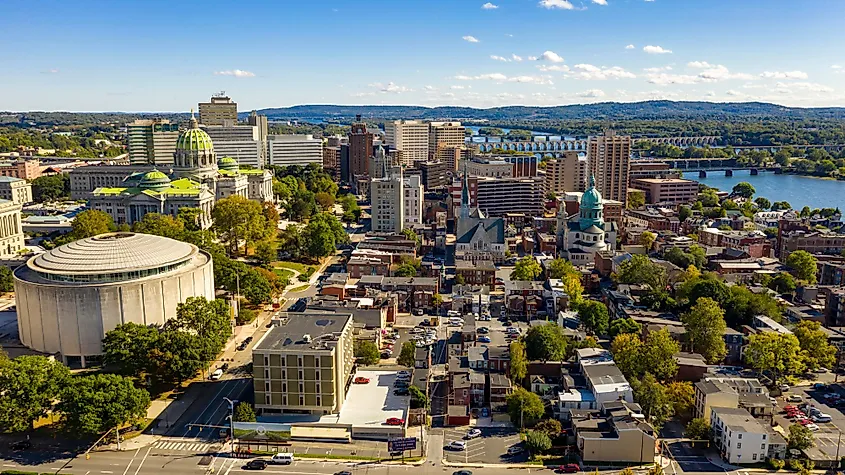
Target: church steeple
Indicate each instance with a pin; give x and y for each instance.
(465, 194)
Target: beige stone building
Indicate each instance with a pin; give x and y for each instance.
(667, 190)
(303, 364)
(409, 136)
(443, 139)
(16, 190)
(11, 234)
(568, 173)
(618, 434)
(608, 156)
(220, 109)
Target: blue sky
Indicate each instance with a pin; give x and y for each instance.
(131, 55)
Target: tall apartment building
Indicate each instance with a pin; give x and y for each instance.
(568, 173)
(331, 155)
(409, 136)
(259, 121)
(609, 157)
(303, 364)
(443, 139)
(413, 196)
(497, 196)
(488, 167)
(435, 175)
(523, 165)
(220, 109)
(24, 169)
(241, 142)
(151, 141)
(386, 201)
(360, 149)
(296, 149)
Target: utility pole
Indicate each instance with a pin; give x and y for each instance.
(838, 441)
(117, 436)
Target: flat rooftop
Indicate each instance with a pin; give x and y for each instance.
(290, 334)
(373, 403)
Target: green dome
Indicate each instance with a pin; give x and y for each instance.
(227, 163)
(194, 139)
(592, 207)
(154, 179)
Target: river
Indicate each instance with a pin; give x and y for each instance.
(798, 190)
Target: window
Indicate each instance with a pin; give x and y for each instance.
(319, 400)
(301, 400)
(753, 456)
(762, 446)
(300, 375)
(301, 387)
(739, 437)
(284, 386)
(267, 399)
(266, 360)
(317, 389)
(284, 374)
(316, 361)
(739, 445)
(266, 373)
(267, 386)
(284, 399)
(299, 361)
(764, 436)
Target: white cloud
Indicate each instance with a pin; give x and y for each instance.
(499, 58)
(784, 75)
(591, 93)
(429, 88)
(470, 38)
(238, 73)
(499, 77)
(550, 56)
(516, 58)
(651, 49)
(489, 6)
(805, 86)
(590, 72)
(836, 66)
(600, 2)
(457, 87)
(658, 69)
(561, 4)
(713, 73)
(720, 73)
(554, 67)
(390, 88)
(700, 64)
(630, 47)
(666, 79)
(50, 71)
(532, 58)
(731, 92)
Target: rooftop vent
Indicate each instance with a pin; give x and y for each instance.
(306, 338)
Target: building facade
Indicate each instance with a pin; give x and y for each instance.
(673, 191)
(218, 111)
(740, 438)
(387, 202)
(243, 142)
(413, 196)
(411, 137)
(294, 149)
(443, 139)
(151, 141)
(303, 364)
(11, 233)
(609, 160)
(568, 173)
(582, 236)
(16, 190)
(498, 196)
(360, 149)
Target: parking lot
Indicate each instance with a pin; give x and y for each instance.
(491, 447)
(814, 397)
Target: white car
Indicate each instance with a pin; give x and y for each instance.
(458, 445)
(217, 374)
(473, 433)
(812, 427)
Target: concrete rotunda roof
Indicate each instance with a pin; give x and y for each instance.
(113, 253)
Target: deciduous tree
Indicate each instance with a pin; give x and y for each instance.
(804, 265)
(774, 352)
(97, 403)
(652, 397)
(406, 356)
(545, 343)
(594, 316)
(160, 225)
(519, 363)
(31, 385)
(537, 442)
(815, 347)
(236, 220)
(705, 328)
(624, 325)
(367, 353)
(698, 429)
(244, 412)
(526, 268)
(524, 407)
(800, 437)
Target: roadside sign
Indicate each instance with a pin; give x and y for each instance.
(403, 444)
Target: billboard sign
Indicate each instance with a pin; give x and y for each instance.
(403, 444)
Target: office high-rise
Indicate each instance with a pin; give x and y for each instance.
(568, 173)
(151, 141)
(220, 109)
(608, 156)
(294, 149)
(241, 142)
(387, 202)
(360, 149)
(259, 121)
(443, 139)
(409, 136)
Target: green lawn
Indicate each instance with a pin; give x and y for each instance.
(300, 288)
(297, 266)
(283, 273)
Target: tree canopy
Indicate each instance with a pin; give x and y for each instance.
(524, 407)
(545, 343)
(594, 316)
(526, 268)
(804, 265)
(705, 329)
(31, 386)
(96, 403)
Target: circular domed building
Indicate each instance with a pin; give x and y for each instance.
(585, 234)
(194, 154)
(69, 297)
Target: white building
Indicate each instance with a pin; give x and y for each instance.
(587, 233)
(409, 136)
(151, 141)
(413, 197)
(386, 200)
(242, 142)
(604, 379)
(739, 436)
(16, 190)
(297, 149)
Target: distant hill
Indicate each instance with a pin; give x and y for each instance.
(600, 111)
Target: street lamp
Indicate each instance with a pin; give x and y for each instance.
(231, 422)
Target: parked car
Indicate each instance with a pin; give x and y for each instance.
(217, 374)
(483, 330)
(282, 458)
(569, 468)
(385, 355)
(462, 472)
(257, 464)
(784, 387)
(484, 339)
(515, 450)
(343, 472)
(794, 398)
(394, 421)
(812, 427)
(361, 380)
(403, 373)
(473, 433)
(401, 392)
(458, 445)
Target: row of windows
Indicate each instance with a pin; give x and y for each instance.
(116, 277)
(283, 362)
(317, 388)
(268, 400)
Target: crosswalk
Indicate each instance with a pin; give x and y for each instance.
(193, 447)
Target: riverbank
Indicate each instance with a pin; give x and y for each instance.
(798, 190)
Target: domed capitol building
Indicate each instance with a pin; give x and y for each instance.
(68, 298)
(197, 179)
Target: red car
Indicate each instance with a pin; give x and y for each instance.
(361, 380)
(804, 422)
(394, 421)
(569, 468)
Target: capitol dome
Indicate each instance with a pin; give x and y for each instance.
(69, 297)
(194, 138)
(194, 156)
(154, 179)
(228, 163)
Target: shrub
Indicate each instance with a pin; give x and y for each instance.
(245, 316)
(302, 277)
(776, 464)
(794, 464)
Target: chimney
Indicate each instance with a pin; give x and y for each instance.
(357, 117)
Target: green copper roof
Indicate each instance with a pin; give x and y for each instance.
(251, 171)
(182, 186)
(591, 198)
(154, 179)
(194, 139)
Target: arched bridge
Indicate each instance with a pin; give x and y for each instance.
(685, 141)
(550, 146)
